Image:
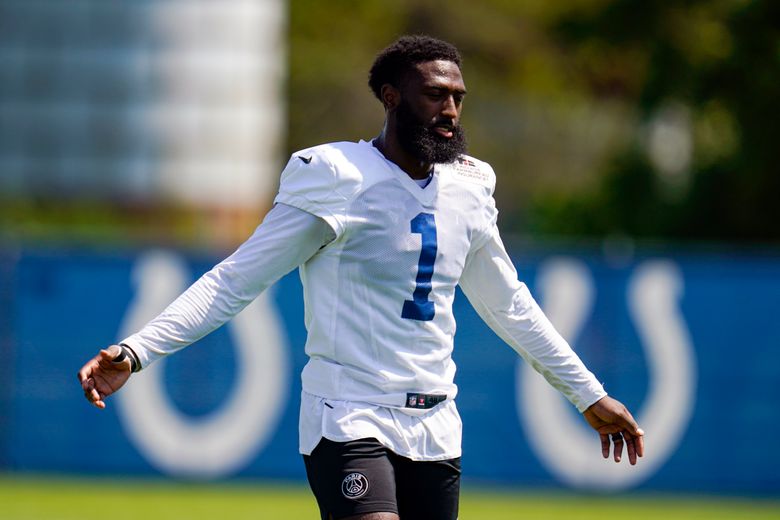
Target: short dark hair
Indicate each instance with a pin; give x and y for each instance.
(400, 56)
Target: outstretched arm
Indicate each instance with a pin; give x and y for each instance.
(615, 423)
(505, 304)
(287, 238)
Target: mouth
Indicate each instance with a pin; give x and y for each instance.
(446, 131)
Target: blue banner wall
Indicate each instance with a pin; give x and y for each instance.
(691, 343)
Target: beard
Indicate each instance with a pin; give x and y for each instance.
(421, 141)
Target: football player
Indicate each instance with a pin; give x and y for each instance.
(383, 231)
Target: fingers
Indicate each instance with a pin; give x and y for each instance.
(631, 449)
(86, 371)
(628, 422)
(88, 382)
(605, 445)
(635, 440)
(617, 439)
(616, 426)
(639, 444)
(95, 398)
(97, 367)
(634, 446)
(630, 435)
(633, 436)
(91, 393)
(108, 355)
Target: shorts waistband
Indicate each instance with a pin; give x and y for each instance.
(424, 401)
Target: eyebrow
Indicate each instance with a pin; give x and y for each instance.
(460, 91)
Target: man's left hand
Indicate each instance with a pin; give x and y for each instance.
(615, 423)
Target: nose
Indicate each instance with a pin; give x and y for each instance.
(450, 108)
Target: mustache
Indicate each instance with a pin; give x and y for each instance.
(421, 137)
(447, 123)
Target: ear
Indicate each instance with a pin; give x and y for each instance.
(391, 96)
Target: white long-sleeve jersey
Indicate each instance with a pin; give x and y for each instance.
(379, 259)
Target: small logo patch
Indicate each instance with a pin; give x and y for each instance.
(306, 160)
(424, 401)
(354, 485)
(469, 171)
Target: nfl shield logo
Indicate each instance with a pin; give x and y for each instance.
(412, 400)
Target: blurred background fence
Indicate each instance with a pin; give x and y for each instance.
(635, 147)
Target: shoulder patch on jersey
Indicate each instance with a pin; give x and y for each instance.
(469, 170)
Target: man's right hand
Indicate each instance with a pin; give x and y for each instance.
(101, 376)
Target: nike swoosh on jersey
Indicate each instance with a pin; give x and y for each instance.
(306, 160)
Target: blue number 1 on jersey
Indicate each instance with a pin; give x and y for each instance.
(420, 308)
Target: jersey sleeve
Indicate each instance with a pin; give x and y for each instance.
(286, 238)
(490, 283)
(310, 182)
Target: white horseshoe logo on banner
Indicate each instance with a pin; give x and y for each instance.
(229, 437)
(564, 442)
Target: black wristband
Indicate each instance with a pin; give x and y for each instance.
(135, 364)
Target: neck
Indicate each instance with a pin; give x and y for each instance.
(389, 146)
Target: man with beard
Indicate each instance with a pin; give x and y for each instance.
(382, 232)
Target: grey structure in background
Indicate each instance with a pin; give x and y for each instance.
(153, 101)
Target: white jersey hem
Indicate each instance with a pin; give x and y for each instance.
(431, 437)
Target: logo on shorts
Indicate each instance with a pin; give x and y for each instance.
(354, 485)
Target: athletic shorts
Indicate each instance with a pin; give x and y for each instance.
(362, 476)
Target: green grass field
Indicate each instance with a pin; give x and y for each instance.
(24, 497)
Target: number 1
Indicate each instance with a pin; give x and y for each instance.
(419, 307)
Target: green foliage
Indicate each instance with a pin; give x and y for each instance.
(645, 118)
(721, 61)
(120, 224)
(572, 103)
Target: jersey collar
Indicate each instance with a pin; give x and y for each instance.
(425, 195)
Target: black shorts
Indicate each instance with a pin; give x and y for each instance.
(362, 476)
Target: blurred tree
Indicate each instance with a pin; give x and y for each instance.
(642, 118)
(716, 64)
(645, 118)
(527, 112)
